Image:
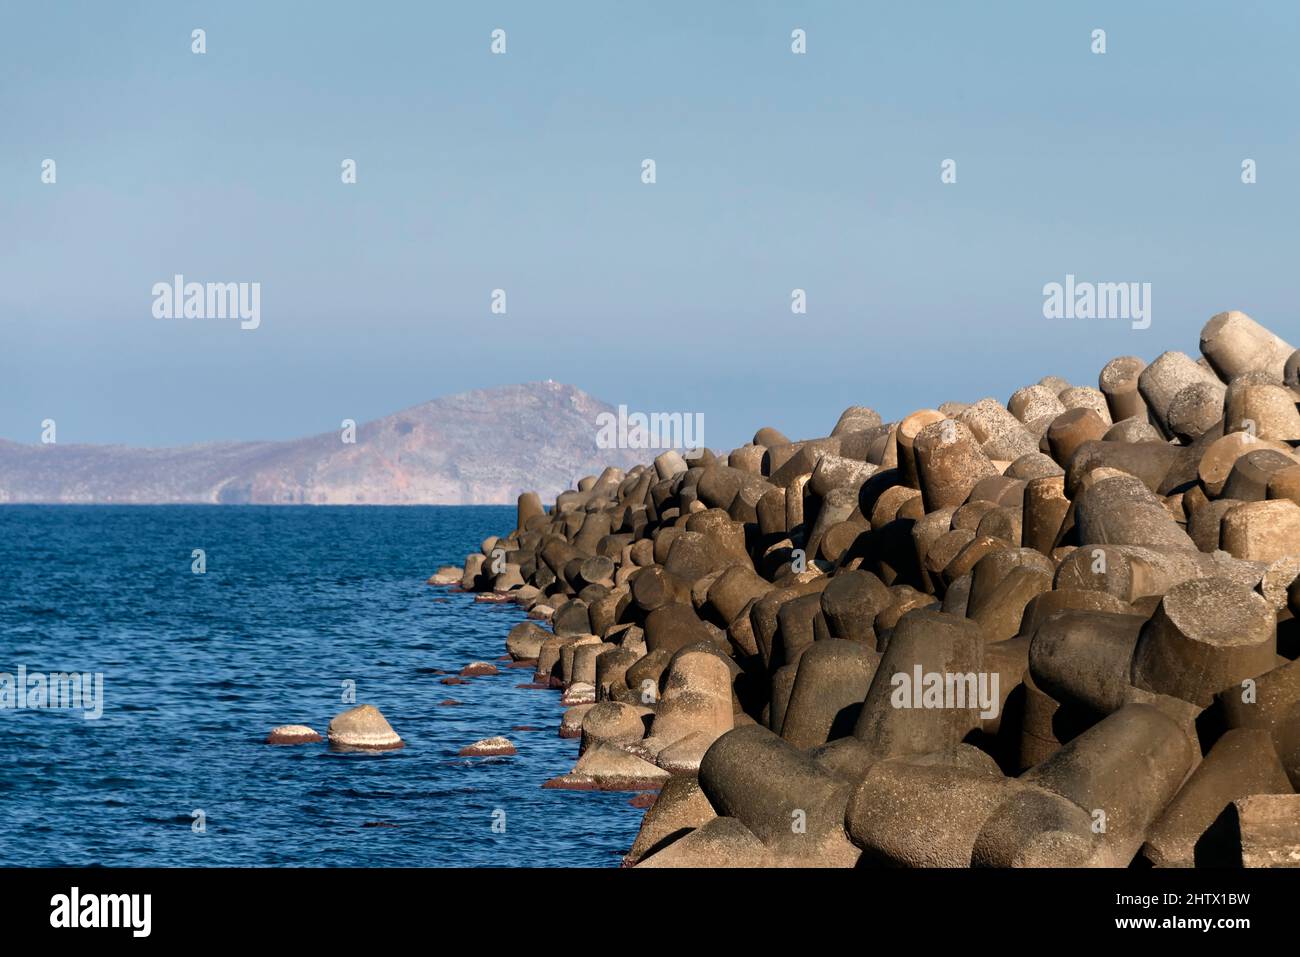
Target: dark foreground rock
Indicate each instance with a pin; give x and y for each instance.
(1059, 631)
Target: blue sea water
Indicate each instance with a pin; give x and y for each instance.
(198, 667)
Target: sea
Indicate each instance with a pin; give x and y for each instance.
(204, 627)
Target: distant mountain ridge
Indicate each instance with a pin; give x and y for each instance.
(474, 448)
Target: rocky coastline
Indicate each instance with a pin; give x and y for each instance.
(1058, 631)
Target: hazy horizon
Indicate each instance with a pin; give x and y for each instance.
(775, 171)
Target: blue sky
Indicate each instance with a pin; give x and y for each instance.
(522, 172)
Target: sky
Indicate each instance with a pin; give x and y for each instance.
(522, 171)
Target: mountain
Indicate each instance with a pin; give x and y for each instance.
(474, 448)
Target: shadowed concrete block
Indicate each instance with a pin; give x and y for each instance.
(845, 758)
(943, 550)
(1123, 771)
(1262, 531)
(1220, 456)
(796, 628)
(1032, 466)
(763, 613)
(610, 610)
(771, 512)
(1071, 429)
(611, 722)
(1285, 484)
(1008, 660)
(835, 471)
(1002, 523)
(970, 515)
(529, 506)
(905, 599)
(1236, 344)
(850, 603)
(904, 814)
(684, 755)
(1000, 613)
(669, 464)
(836, 507)
(734, 589)
(473, 570)
(971, 554)
(1164, 378)
(1049, 603)
(598, 568)
(1044, 725)
(950, 463)
(1265, 408)
(1085, 657)
(654, 588)
(1123, 511)
(549, 658)
(1134, 430)
(696, 697)
(643, 676)
(1241, 763)
(1205, 523)
(782, 685)
(675, 626)
(906, 438)
(1206, 635)
(1252, 472)
(1035, 827)
(830, 685)
(1045, 509)
(956, 597)
(1000, 434)
(1196, 410)
(1270, 702)
(926, 531)
(585, 654)
(680, 808)
(1119, 384)
(721, 842)
(857, 418)
(568, 654)
(571, 619)
(1086, 397)
(605, 767)
(1034, 402)
(780, 794)
(923, 644)
(1152, 462)
(1268, 826)
(525, 640)
(890, 504)
(1131, 572)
